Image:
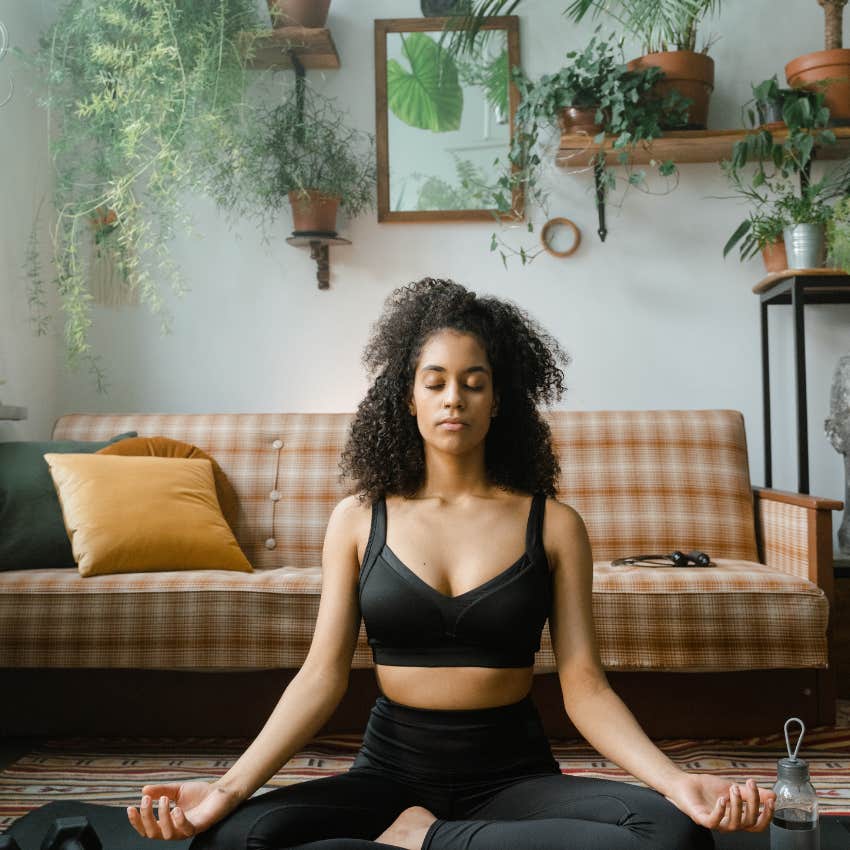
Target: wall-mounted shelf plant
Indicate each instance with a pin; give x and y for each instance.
(303, 155)
(605, 106)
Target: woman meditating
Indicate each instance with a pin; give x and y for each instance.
(454, 550)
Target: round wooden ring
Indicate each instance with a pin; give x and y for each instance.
(544, 234)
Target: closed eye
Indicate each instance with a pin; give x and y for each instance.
(439, 386)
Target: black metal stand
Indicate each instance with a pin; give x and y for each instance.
(797, 288)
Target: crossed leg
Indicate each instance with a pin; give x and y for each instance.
(562, 812)
(342, 812)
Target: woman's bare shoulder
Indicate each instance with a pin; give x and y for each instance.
(561, 512)
(351, 519)
(564, 531)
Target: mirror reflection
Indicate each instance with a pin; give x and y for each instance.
(444, 120)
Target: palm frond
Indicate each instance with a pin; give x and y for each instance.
(462, 31)
(656, 23)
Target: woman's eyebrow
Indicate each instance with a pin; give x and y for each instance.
(434, 368)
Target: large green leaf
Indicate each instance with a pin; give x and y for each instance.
(429, 96)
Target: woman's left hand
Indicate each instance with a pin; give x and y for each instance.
(717, 803)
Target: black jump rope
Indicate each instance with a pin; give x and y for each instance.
(674, 559)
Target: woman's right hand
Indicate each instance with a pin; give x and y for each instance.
(197, 806)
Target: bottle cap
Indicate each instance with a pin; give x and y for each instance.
(793, 770)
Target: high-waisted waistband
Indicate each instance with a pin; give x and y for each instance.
(449, 717)
(459, 743)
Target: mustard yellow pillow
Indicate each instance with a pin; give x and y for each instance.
(143, 514)
(166, 447)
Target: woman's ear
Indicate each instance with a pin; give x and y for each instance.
(494, 410)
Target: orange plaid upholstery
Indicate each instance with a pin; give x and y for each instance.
(785, 532)
(644, 481)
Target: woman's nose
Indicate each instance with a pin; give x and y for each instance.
(453, 395)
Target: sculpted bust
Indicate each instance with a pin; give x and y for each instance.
(837, 428)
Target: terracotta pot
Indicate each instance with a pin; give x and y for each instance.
(774, 256)
(314, 212)
(691, 74)
(808, 71)
(299, 13)
(575, 120)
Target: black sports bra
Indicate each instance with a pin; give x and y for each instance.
(411, 624)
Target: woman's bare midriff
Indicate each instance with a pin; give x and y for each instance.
(454, 687)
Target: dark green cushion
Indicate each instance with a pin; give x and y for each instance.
(32, 534)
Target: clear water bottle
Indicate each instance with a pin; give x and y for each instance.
(795, 823)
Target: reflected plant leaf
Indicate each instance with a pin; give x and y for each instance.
(429, 96)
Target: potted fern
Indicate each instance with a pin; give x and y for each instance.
(302, 154)
(136, 92)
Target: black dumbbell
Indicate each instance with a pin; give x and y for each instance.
(8, 843)
(71, 834)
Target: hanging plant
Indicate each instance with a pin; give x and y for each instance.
(614, 102)
(139, 95)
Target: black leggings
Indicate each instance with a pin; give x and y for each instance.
(489, 777)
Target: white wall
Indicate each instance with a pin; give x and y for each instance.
(27, 363)
(654, 317)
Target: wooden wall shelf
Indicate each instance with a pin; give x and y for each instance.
(314, 48)
(683, 146)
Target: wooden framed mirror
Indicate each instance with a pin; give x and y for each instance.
(443, 119)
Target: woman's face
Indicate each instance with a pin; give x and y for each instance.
(453, 381)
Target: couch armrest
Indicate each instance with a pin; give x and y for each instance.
(794, 534)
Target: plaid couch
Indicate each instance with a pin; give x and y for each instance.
(644, 481)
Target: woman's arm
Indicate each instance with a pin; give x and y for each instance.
(314, 693)
(601, 716)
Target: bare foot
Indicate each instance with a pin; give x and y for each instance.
(408, 829)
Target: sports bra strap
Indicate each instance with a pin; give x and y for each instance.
(534, 535)
(377, 532)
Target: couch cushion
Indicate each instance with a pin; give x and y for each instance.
(33, 534)
(737, 616)
(643, 480)
(143, 514)
(650, 481)
(166, 447)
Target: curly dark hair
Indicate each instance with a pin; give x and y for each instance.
(384, 452)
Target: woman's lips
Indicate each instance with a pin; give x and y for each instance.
(452, 426)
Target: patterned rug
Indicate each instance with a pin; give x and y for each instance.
(111, 771)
